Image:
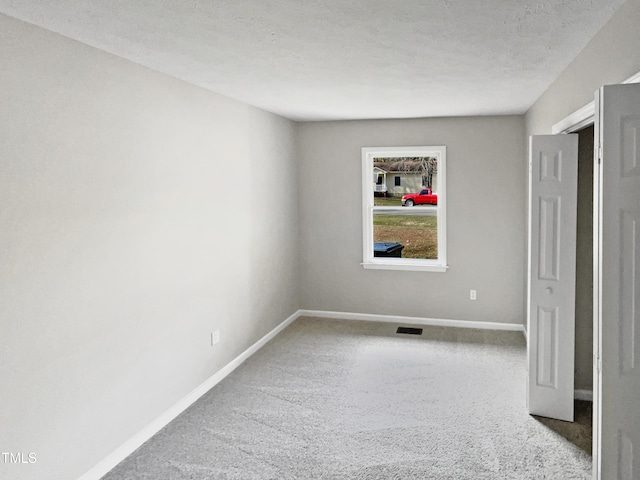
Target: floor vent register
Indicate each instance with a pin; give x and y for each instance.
(409, 330)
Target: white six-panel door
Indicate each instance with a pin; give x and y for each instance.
(617, 284)
(553, 180)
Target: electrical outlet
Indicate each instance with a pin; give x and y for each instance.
(472, 294)
(215, 337)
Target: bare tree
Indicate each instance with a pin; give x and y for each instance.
(427, 166)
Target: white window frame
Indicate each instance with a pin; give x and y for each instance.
(368, 209)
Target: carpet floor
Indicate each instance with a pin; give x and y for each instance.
(331, 399)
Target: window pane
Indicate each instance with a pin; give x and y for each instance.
(398, 176)
(417, 234)
(404, 208)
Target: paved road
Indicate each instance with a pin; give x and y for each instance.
(418, 211)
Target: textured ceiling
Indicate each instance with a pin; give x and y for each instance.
(337, 59)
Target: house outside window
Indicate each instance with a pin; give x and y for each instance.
(404, 224)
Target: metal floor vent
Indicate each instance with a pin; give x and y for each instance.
(409, 330)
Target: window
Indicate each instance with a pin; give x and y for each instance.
(404, 227)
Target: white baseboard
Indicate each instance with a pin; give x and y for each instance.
(154, 427)
(586, 395)
(440, 322)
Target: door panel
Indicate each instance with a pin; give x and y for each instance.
(617, 284)
(553, 180)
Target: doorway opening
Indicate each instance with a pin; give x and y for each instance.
(616, 256)
(583, 377)
(579, 431)
(584, 267)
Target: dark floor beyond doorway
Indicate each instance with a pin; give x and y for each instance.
(580, 431)
(330, 399)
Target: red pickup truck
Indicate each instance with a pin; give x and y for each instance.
(426, 196)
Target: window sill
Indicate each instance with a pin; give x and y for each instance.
(406, 265)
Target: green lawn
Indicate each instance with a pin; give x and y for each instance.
(387, 201)
(419, 235)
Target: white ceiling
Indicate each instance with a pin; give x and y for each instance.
(342, 59)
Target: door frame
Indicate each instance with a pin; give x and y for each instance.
(578, 120)
(585, 116)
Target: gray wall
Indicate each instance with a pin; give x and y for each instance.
(611, 57)
(138, 214)
(486, 248)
